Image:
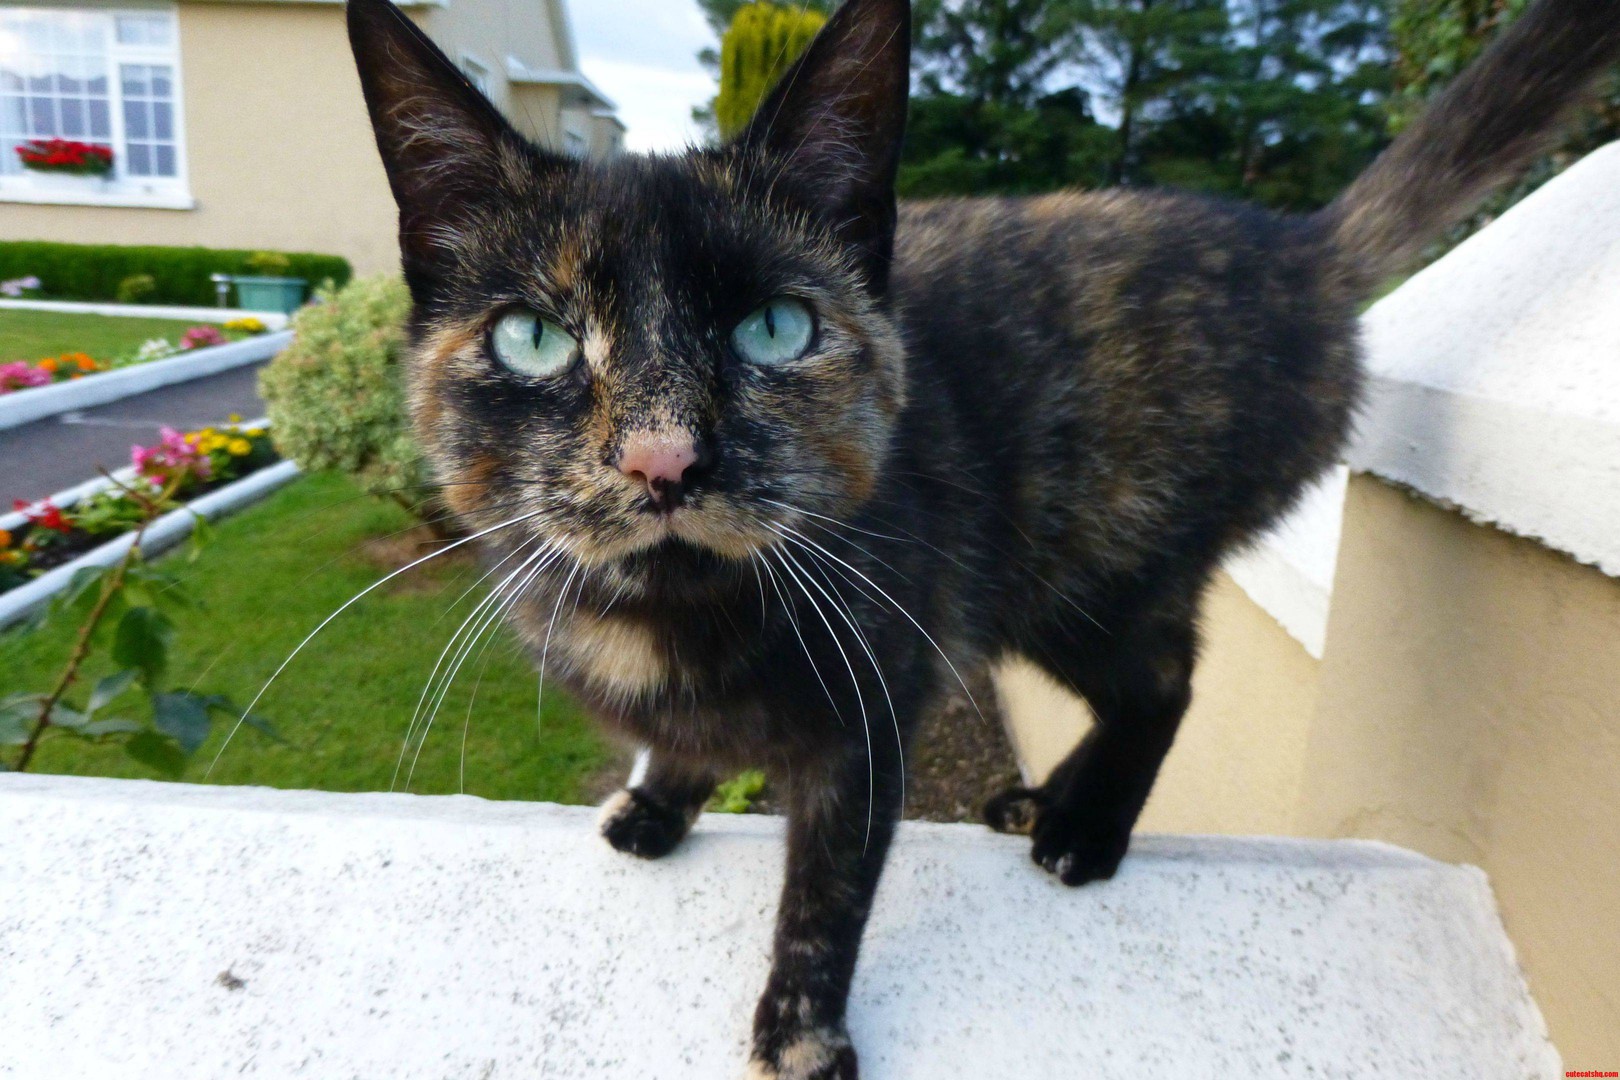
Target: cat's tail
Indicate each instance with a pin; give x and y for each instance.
(1487, 126)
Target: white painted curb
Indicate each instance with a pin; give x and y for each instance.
(162, 534)
(275, 320)
(26, 406)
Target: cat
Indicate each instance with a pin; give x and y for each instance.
(763, 462)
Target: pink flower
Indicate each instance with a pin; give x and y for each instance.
(20, 375)
(199, 336)
(173, 453)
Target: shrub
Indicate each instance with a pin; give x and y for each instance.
(760, 45)
(135, 288)
(336, 397)
(180, 275)
(269, 264)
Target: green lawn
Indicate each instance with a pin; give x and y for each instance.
(34, 335)
(271, 574)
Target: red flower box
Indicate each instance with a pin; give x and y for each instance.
(66, 156)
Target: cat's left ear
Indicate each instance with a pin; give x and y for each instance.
(836, 120)
(445, 148)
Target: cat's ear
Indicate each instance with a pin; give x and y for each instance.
(836, 120)
(445, 148)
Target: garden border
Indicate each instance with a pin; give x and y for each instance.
(162, 534)
(26, 406)
(275, 320)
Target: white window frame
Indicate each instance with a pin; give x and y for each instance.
(156, 192)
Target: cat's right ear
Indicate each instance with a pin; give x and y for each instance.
(445, 148)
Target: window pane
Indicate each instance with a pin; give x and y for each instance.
(55, 82)
(143, 30)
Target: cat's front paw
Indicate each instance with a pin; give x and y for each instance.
(637, 824)
(814, 1055)
(1078, 847)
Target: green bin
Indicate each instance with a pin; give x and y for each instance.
(282, 294)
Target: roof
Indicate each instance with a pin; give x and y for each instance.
(577, 89)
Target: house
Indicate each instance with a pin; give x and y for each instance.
(240, 124)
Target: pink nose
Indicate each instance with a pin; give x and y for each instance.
(660, 460)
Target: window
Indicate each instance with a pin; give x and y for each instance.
(575, 143)
(107, 77)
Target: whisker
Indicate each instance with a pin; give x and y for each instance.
(848, 615)
(348, 604)
(789, 563)
(898, 607)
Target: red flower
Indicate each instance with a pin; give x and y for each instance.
(44, 515)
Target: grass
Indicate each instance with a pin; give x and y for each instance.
(268, 578)
(34, 335)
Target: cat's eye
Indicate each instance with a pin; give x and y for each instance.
(779, 331)
(533, 345)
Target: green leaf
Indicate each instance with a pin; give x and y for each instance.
(17, 715)
(113, 725)
(157, 752)
(64, 716)
(222, 704)
(109, 688)
(736, 795)
(182, 716)
(143, 641)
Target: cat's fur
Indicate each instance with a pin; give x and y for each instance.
(1027, 426)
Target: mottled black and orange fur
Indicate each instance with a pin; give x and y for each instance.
(1027, 426)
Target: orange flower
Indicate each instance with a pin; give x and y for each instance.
(5, 539)
(48, 364)
(86, 363)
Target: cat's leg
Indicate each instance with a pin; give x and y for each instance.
(656, 809)
(1139, 685)
(840, 822)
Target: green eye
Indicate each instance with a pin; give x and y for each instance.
(531, 345)
(776, 333)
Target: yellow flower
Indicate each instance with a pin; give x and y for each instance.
(254, 432)
(246, 325)
(235, 418)
(239, 447)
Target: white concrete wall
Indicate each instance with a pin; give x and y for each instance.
(172, 932)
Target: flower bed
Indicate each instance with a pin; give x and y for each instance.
(180, 467)
(18, 375)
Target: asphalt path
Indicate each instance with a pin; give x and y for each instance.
(59, 451)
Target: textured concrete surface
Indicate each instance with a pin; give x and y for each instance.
(159, 931)
(1495, 386)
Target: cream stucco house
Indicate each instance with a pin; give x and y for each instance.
(240, 124)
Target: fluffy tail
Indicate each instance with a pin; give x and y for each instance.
(1487, 126)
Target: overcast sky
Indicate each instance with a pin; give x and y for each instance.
(643, 55)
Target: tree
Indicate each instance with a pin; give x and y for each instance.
(761, 43)
(720, 14)
(986, 116)
(1286, 110)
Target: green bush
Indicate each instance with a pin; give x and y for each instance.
(760, 45)
(337, 396)
(135, 289)
(180, 275)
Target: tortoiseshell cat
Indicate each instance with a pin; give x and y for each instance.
(765, 462)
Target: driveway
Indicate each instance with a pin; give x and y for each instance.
(60, 451)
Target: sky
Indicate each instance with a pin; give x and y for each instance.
(643, 55)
